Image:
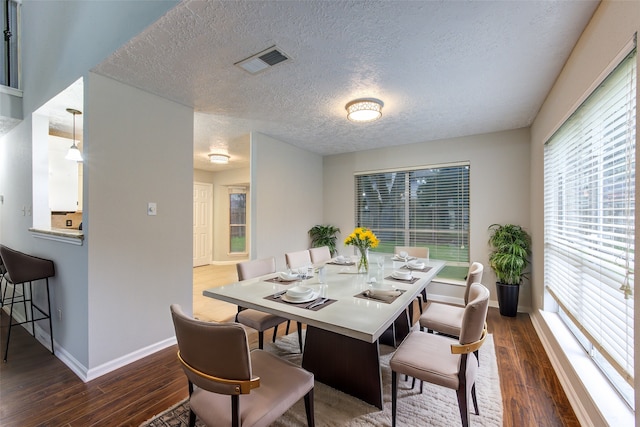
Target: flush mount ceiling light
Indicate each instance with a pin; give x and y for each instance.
(364, 110)
(74, 153)
(221, 159)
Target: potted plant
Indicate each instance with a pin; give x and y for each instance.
(511, 247)
(324, 235)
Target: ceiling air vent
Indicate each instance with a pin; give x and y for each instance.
(263, 60)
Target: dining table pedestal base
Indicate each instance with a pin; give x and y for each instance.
(344, 363)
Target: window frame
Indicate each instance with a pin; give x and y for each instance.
(412, 228)
(582, 137)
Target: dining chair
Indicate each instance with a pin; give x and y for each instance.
(418, 252)
(256, 319)
(445, 361)
(230, 385)
(320, 255)
(445, 318)
(298, 259)
(21, 271)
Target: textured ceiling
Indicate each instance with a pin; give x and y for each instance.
(442, 68)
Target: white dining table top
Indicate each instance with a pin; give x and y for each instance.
(363, 319)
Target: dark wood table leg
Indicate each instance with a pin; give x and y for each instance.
(344, 363)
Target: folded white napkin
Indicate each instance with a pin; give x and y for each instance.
(416, 265)
(403, 275)
(286, 276)
(373, 293)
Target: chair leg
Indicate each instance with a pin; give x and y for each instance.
(475, 399)
(192, 415)
(288, 324)
(394, 397)
(422, 299)
(463, 405)
(300, 335)
(275, 332)
(50, 322)
(235, 410)
(6, 349)
(260, 340)
(308, 408)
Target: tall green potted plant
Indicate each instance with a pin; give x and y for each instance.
(324, 235)
(511, 248)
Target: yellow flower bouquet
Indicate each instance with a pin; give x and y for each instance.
(363, 239)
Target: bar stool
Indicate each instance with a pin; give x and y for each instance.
(23, 269)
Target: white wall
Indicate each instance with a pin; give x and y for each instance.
(139, 150)
(611, 28)
(286, 197)
(499, 189)
(59, 44)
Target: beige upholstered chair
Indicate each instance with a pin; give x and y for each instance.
(445, 361)
(21, 270)
(256, 319)
(447, 319)
(418, 252)
(320, 255)
(230, 385)
(298, 259)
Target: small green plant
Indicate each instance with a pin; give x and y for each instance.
(324, 235)
(511, 247)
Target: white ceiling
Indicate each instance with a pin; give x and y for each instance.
(442, 68)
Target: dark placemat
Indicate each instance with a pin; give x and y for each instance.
(422, 270)
(380, 298)
(277, 298)
(344, 264)
(410, 281)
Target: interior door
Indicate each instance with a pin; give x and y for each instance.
(202, 200)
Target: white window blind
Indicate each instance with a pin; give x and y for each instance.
(589, 209)
(422, 207)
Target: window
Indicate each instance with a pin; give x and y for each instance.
(422, 207)
(10, 14)
(589, 209)
(237, 221)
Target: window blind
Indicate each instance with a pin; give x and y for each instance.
(421, 207)
(589, 211)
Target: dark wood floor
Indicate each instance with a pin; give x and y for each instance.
(36, 389)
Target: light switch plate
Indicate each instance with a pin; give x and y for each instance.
(152, 209)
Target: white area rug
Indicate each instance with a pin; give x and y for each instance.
(436, 406)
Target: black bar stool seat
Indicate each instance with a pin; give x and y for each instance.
(21, 270)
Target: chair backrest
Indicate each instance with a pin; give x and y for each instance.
(298, 259)
(256, 268)
(475, 314)
(473, 276)
(25, 268)
(416, 251)
(210, 349)
(320, 255)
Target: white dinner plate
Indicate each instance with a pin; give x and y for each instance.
(310, 298)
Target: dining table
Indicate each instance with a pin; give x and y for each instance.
(347, 314)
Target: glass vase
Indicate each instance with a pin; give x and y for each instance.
(363, 261)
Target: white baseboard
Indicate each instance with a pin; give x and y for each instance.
(112, 365)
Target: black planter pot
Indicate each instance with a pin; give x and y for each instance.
(508, 299)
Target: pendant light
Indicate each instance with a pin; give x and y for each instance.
(74, 153)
